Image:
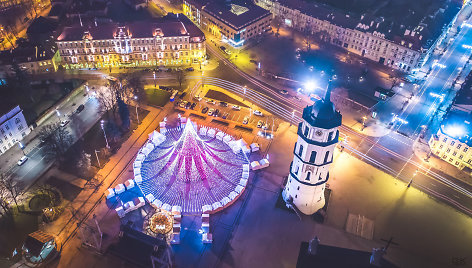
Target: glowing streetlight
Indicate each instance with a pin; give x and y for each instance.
(22, 147)
(136, 99)
(364, 118)
(310, 86)
(154, 75)
(102, 125)
(411, 180)
(245, 87)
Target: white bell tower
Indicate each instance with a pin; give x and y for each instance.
(313, 154)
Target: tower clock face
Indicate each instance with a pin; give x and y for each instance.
(318, 133)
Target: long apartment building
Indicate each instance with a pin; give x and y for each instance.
(170, 41)
(13, 127)
(234, 21)
(403, 45)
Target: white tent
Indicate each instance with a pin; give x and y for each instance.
(216, 205)
(150, 198)
(264, 163)
(211, 133)
(245, 174)
(157, 203)
(176, 210)
(243, 182)
(233, 195)
(220, 135)
(157, 138)
(137, 164)
(137, 171)
(206, 208)
(255, 165)
(255, 147)
(149, 146)
(246, 168)
(167, 207)
(225, 201)
(145, 151)
(138, 178)
(239, 189)
(227, 139)
(140, 157)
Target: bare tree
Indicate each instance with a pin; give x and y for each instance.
(108, 96)
(277, 21)
(12, 187)
(56, 139)
(4, 204)
(180, 77)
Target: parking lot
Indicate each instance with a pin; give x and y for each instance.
(212, 111)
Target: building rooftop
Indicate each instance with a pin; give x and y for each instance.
(171, 25)
(26, 53)
(236, 13)
(457, 125)
(419, 27)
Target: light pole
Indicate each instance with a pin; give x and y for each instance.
(245, 87)
(414, 174)
(154, 75)
(22, 147)
(203, 79)
(364, 118)
(136, 99)
(102, 124)
(293, 115)
(99, 166)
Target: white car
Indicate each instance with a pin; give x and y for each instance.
(211, 111)
(64, 123)
(257, 112)
(22, 160)
(210, 101)
(197, 98)
(182, 104)
(245, 120)
(236, 107)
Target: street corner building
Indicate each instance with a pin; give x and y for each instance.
(313, 154)
(234, 21)
(169, 41)
(13, 126)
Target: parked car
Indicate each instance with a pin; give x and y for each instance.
(64, 123)
(182, 95)
(216, 112)
(204, 110)
(80, 108)
(211, 111)
(189, 69)
(283, 92)
(257, 112)
(259, 124)
(223, 48)
(246, 120)
(182, 104)
(236, 107)
(197, 98)
(169, 70)
(210, 101)
(193, 105)
(187, 105)
(224, 104)
(225, 116)
(265, 126)
(22, 160)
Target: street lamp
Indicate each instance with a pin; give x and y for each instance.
(245, 87)
(293, 115)
(97, 158)
(203, 79)
(102, 124)
(136, 99)
(22, 147)
(364, 118)
(154, 75)
(414, 174)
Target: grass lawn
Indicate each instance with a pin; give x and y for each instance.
(220, 96)
(157, 97)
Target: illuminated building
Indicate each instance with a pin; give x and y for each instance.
(313, 154)
(233, 21)
(169, 41)
(453, 141)
(32, 59)
(13, 127)
(404, 45)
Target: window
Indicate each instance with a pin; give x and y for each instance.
(1, 130)
(308, 175)
(313, 157)
(300, 151)
(440, 147)
(298, 188)
(454, 153)
(7, 127)
(468, 161)
(306, 131)
(448, 150)
(459, 146)
(296, 170)
(465, 149)
(17, 120)
(461, 156)
(330, 136)
(326, 157)
(457, 163)
(450, 160)
(452, 142)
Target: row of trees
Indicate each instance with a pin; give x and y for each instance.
(9, 190)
